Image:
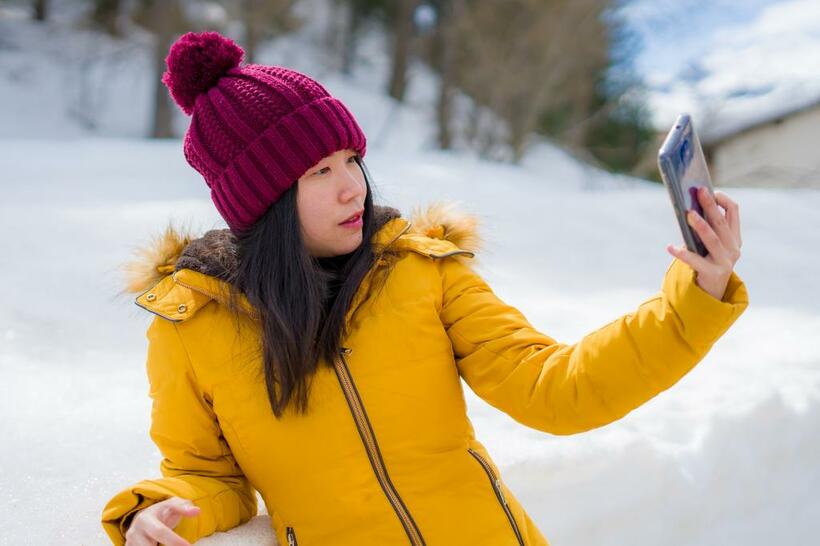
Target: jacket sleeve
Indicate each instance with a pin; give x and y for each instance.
(569, 388)
(197, 462)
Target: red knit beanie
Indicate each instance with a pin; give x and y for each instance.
(255, 129)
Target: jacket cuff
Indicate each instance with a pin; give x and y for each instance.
(120, 510)
(703, 317)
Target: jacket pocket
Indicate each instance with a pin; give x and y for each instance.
(499, 493)
(291, 535)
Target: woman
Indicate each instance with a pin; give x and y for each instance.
(317, 359)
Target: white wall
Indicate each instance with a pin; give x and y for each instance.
(783, 154)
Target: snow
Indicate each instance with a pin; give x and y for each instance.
(729, 455)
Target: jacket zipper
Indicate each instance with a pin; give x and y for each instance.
(291, 536)
(372, 448)
(498, 493)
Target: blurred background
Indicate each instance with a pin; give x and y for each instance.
(543, 117)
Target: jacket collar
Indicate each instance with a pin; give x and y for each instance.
(175, 262)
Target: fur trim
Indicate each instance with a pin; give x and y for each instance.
(214, 253)
(156, 259)
(443, 220)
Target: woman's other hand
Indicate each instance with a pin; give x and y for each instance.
(154, 524)
(720, 235)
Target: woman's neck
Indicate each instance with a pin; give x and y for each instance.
(333, 263)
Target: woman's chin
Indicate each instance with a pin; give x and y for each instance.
(357, 241)
(351, 243)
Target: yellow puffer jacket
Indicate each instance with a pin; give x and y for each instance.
(387, 453)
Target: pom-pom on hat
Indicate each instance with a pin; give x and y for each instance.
(255, 129)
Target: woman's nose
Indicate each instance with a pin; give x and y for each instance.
(353, 185)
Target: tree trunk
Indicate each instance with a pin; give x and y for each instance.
(249, 14)
(349, 34)
(402, 47)
(443, 48)
(40, 10)
(251, 39)
(444, 108)
(161, 13)
(106, 15)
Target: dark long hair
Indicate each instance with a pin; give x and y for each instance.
(301, 300)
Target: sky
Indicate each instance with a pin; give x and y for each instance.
(699, 22)
(731, 62)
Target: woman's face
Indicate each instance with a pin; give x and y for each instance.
(327, 194)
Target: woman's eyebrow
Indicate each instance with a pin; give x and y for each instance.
(350, 154)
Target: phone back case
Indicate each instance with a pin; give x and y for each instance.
(683, 170)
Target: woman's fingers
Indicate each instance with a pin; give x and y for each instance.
(732, 214)
(132, 538)
(707, 234)
(716, 219)
(721, 236)
(695, 260)
(160, 532)
(156, 523)
(174, 509)
(154, 531)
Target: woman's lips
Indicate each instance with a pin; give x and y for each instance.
(356, 217)
(355, 223)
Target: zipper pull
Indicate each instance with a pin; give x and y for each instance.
(500, 491)
(291, 536)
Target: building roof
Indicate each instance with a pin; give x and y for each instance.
(729, 129)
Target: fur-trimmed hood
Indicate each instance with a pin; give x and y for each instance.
(214, 253)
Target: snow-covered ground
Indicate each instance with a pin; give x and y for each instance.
(729, 455)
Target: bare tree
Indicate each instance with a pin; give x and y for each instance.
(164, 15)
(106, 15)
(345, 23)
(443, 47)
(263, 19)
(350, 30)
(516, 59)
(41, 10)
(401, 33)
(166, 19)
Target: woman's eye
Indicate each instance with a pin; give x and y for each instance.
(351, 158)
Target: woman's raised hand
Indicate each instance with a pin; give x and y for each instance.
(154, 524)
(720, 235)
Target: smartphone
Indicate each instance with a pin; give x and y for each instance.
(683, 170)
